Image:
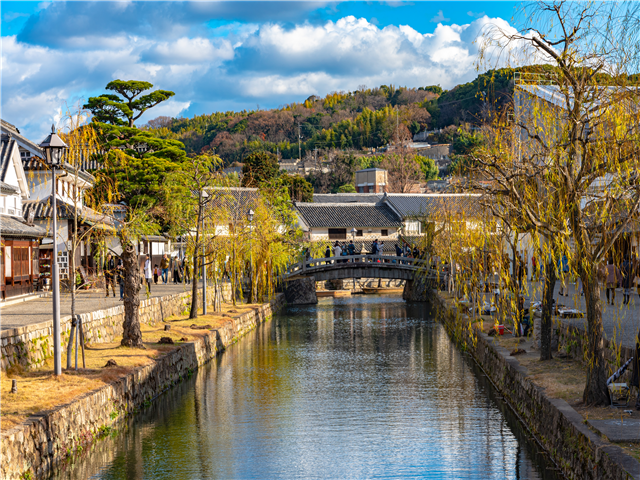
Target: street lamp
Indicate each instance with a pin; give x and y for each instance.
(54, 148)
(250, 217)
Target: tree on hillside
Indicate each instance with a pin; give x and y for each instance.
(299, 189)
(259, 167)
(584, 143)
(428, 167)
(128, 107)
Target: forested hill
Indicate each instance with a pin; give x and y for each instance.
(365, 118)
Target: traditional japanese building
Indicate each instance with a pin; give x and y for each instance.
(19, 238)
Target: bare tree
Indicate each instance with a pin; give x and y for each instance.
(578, 132)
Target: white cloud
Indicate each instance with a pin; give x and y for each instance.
(269, 64)
(475, 14)
(440, 18)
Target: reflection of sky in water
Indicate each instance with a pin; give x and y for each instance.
(362, 387)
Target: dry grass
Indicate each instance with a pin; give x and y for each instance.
(39, 390)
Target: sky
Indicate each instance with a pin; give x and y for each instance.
(219, 56)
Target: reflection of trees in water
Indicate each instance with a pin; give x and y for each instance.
(263, 404)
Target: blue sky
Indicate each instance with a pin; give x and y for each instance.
(231, 55)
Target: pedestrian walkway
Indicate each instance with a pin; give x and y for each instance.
(41, 309)
(620, 322)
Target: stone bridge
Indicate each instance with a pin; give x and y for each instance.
(301, 277)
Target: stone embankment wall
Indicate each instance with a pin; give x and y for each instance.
(579, 452)
(43, 440)
(31, 345)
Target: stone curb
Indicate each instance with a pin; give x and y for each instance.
(46, 439)
(574, 447)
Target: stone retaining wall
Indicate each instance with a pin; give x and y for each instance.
(579, 452)
(45, 439)
(31, 345)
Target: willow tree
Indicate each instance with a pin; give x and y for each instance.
(189, 195)
(88, 224)
(579, 123)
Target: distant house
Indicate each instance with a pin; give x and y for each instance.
(418, 210)
(19, 239)
(336, 221)
(371, 180)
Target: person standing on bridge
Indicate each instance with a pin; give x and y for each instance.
(337, 251)
(352, 249)
(327, 254)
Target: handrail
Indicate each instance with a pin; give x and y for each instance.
(350, 260)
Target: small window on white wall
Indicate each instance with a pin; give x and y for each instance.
(7, 261)
(157, 248)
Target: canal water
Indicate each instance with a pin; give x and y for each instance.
(360, 387)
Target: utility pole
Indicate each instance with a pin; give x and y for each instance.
(299, 143)
(316, 149)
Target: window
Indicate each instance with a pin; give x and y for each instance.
(7, 261)
(337, 234)
(359, 233)
(384, 233)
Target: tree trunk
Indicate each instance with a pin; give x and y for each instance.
(595, 391)
(547, 305)
(193, 313)
(131, 335)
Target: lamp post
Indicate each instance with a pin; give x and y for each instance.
(250, 217)
(204, 256)
(354, 231)
(54, 148)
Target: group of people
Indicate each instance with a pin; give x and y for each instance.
(620, 276)
(114, 270)
(377, 248)
(180, 268)
(611, 275)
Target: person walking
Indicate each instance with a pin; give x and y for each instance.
(534, 268)
(327, 254)
(613, 276)
(164, 266)
(120, 274)
(156, 273)
(563, 267)
(337, 251)
(109, 274)
(148, 275)
(627, 279)
(176, 270)
(352, 249)
(186, 270)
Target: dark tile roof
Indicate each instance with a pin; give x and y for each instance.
(7, 144)
(6, 188)
(17, 227)
(37, 164)
(435, 205)
(42, 210)
(238, 201)
(346, 197)
(6, 127)
(347, 215)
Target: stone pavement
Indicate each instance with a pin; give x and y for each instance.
(41, 309)
(620, 322)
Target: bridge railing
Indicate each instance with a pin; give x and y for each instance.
(350, 260)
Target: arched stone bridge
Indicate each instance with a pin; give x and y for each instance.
(358, 266)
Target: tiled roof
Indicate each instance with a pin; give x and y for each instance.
(17, 227)
(42, 210)
(435, 205)
(238, 201)
(6, 188)
(347, 215)
(346, 197)
(7, 144)
(6, 127)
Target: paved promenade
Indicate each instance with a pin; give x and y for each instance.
(40, 309)
(620, 322)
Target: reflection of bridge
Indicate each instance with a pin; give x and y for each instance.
(359, 266)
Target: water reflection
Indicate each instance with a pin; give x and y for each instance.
(365, 387)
